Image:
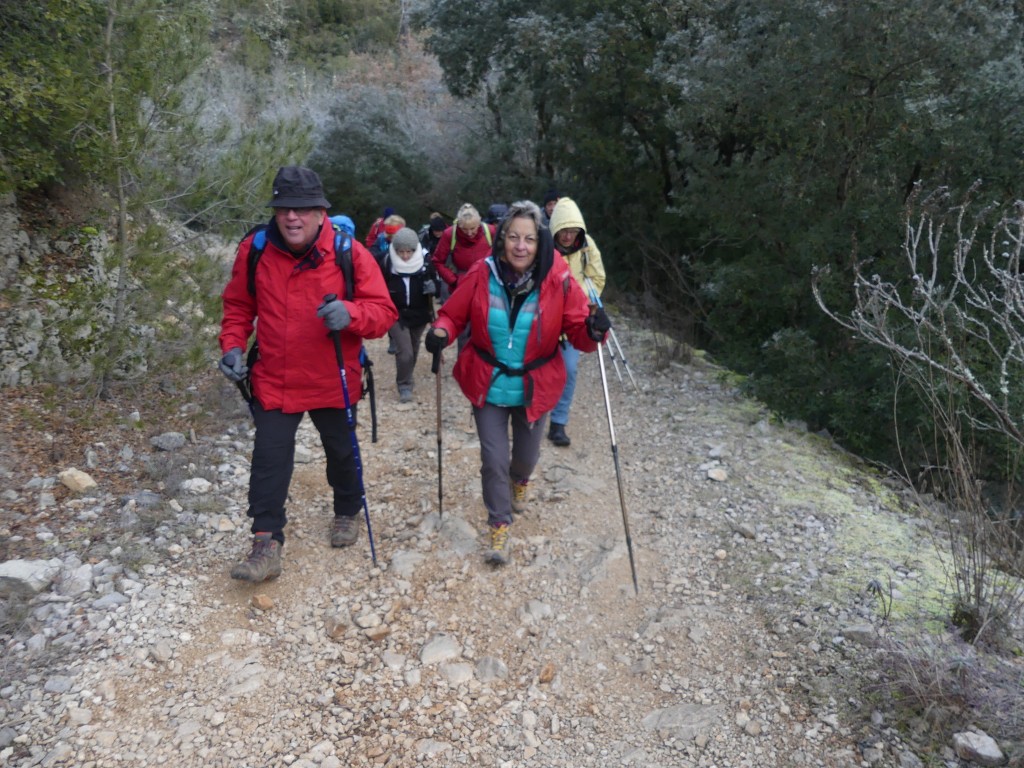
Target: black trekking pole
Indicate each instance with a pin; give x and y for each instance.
(592, 290)
(436, 369)
(618, 471)
(336, 338)
(244, 388)
(367, 364)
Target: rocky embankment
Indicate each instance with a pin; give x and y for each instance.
(126, 644)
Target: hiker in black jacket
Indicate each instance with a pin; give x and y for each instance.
(412, 284)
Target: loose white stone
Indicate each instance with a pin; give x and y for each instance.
(76, 480)
(197, 485)
(440, 649)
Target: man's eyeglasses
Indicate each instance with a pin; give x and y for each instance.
(297, 211)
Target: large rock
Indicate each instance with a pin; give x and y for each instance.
(441, 648)
(27, 577)
(978, 747)
(168, 441)
(76, 480)
(683, 721)
(14, 241)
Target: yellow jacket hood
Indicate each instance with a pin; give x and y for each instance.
(566, 215)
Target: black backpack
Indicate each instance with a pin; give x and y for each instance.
(343, 258)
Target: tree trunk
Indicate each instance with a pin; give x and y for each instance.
(121, 246)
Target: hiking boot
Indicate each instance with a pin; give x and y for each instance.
(405, 394)
(500, 550)
(262, 563)
(556, 434)
(344, 531)
(519, 493)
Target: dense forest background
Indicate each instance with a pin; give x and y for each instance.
(722, 153)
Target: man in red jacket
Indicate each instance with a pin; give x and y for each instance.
(296, 371)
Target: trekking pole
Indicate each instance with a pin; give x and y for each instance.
(618, 471)
(611, 332)
(336, 338)
(435, 368)
(367, 364)
(244, 388)
(592, 293)
(625, 363)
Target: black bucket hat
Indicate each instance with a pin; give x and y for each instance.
(298, 187)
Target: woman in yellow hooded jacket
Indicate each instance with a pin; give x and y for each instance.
(584, 259)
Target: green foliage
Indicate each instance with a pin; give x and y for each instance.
(44, 66)
(227, 188)
(757, 141)
(369, 158)
(314, 33)
(333, 28)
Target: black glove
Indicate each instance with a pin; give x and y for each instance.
(435, 341)
(335, 315)
(429, 287)
(232, 364)
(598, 325)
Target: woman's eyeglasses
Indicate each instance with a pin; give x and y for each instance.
(517, 239)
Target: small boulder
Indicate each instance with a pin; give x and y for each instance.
(76, 480)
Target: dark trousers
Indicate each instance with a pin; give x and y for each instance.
(273, 460)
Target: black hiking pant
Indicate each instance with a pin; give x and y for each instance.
(273, 461)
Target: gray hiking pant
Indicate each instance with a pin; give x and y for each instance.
(498, 465)
(407, 349)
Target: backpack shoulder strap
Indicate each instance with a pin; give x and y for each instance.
(343, 258)
(487, 234)
(256, 247)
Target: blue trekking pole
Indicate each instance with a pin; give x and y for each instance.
(592, 290)
(336, 338)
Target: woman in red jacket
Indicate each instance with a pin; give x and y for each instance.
(463, 244)
(517, 302)
(297, 370)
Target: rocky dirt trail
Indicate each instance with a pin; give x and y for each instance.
(741, 648)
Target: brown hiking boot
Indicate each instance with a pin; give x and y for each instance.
(520, 491)
(500, 551)
(344, 530)
(262, 563)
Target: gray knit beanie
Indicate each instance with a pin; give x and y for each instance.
(405, 239)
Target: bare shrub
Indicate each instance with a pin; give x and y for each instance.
(941, 682)
(951, 315)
